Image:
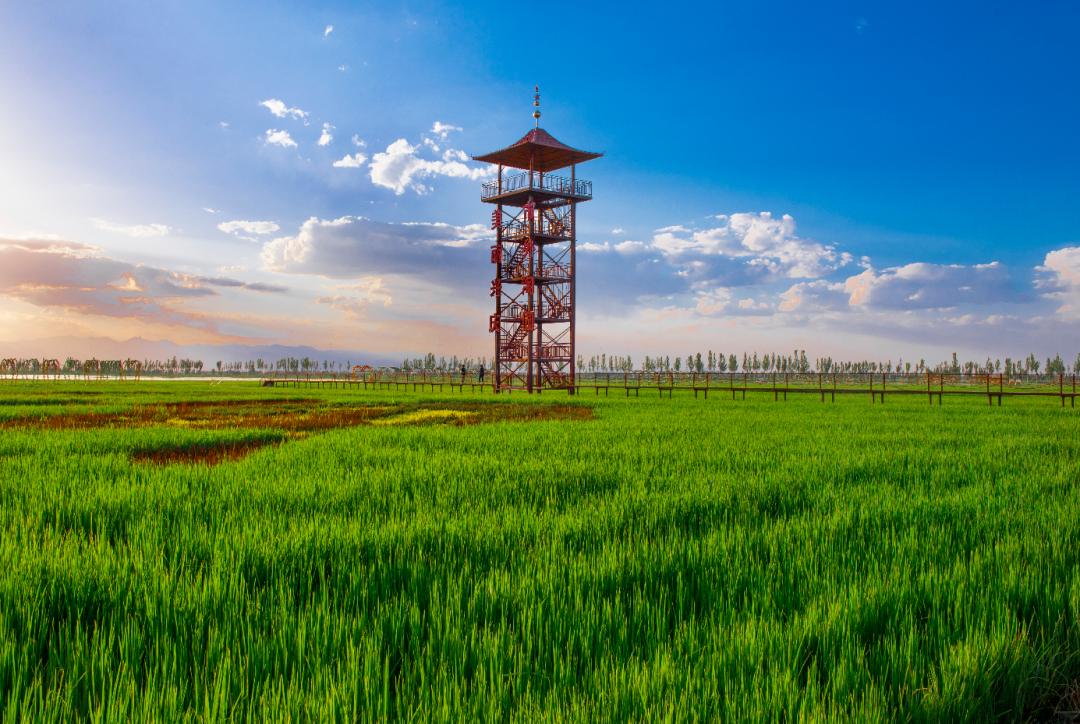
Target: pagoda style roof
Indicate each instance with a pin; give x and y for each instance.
(546, 153)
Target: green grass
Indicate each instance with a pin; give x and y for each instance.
(667, 560)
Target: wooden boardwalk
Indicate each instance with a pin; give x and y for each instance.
(738, 385)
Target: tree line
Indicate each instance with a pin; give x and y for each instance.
(798, 363)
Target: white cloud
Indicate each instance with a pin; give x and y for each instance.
(141, 230)
(631, 247)
(815, 297)
(1062, 283)
(713, 301)
(212, 211)
(399, 168)
(931, 286)
(341, 67)
(465, 235)
(355, 247)
(75, 278)
(351, 161)
(370, 289)
(589, 246)
(357, 142)
(251, 227)
(769, 245)
(281, 138)
(242, 267)
(618, 231)
(326, 137)
(329, 28)
(442, 130)
(224, 124)
(280, 110)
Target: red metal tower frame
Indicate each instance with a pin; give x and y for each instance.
(534, 254)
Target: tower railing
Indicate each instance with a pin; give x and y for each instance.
(539, 182)
(543, 226)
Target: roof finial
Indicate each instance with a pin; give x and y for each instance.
(536, 102)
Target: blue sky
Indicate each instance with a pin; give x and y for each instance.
(926, 158)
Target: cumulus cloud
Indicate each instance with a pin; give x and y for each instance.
(251, 227)
(617, 231)
(589, 246)
(326, 137)
(932, 286)
(815, 297)
(281, 138)
(769, 246)
(355, 247)
(77, 278)
(357, 142)
(631, 247)
(49, 245)
(400, 168)
(212, 211)
(362, 293)
(442, 130)
(351, 161)
(280, 110)
(266, 287)
(329, 29)
(1061, 282)
(140, 230)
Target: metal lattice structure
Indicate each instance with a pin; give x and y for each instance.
(534, 255)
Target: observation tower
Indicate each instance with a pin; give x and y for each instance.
(535, 239)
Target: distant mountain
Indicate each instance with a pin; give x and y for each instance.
(137, 348)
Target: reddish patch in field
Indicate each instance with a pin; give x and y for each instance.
(296, 415)
(208, 455)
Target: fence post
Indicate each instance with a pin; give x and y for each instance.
(872, 388)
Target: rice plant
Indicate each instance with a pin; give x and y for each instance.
(620, 560)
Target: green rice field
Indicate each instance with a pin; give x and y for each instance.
(185, 553)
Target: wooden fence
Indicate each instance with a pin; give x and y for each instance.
(877, 385)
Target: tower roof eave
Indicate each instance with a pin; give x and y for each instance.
(546, 153)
